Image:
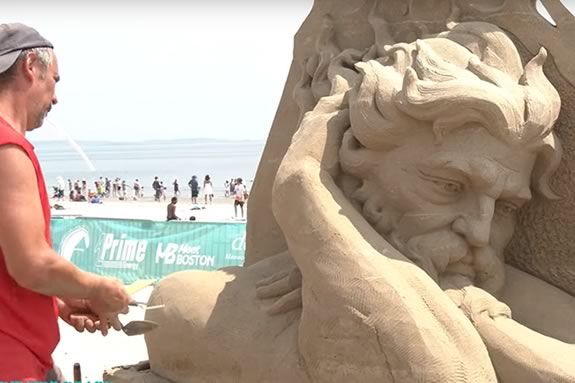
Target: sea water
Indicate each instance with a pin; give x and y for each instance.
(168, 160)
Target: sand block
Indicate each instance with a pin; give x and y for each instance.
(136, 373)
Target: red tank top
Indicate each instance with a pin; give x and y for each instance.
(28, 320)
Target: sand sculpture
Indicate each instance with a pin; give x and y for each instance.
(405, 233)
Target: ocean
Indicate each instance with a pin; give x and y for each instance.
(168, 160)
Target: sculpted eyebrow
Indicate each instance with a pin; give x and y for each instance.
(461, 167)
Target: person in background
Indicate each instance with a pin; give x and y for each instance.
(208, 190)
(36, 284)
(124, 187)
(136, 189)
(172, 210)
(162, 191)
(232, 186)
(176, 188)
(157, 189)
(227, 188)
(107, 187)
(84, 188)
(61, 188)
(115, 188)
(195, 188)
(240, 196)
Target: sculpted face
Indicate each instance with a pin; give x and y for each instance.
(450, 205)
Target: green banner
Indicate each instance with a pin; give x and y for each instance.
(136, 249)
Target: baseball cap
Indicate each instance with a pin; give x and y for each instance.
(14, 38)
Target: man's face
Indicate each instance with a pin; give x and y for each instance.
(44, 92)
(453, 202)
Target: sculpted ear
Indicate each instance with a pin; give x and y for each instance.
(547, 162)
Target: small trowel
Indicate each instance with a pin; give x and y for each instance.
(139, 327)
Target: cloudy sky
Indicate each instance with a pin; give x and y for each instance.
(165, 69)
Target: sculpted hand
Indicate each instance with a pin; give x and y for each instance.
(285, 285)
(473, 301)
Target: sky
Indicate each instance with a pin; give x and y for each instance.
(164, 69)
(171, 69)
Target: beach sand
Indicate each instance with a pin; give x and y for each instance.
(221, 209)
(94, 352)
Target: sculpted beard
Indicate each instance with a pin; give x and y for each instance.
(441, 253)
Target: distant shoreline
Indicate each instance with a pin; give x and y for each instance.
(167, 141)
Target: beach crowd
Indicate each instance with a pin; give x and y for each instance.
(104, 187)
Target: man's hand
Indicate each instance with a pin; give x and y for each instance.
(109, 299)
(77, 313)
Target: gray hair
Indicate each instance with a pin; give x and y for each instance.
(45, 57)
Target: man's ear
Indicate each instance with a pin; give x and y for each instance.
(29, 65)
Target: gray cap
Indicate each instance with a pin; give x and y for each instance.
(16, 37)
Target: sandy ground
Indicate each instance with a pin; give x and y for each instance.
(221, 209)
(94, 352)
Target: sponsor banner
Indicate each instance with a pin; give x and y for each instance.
(137, 249)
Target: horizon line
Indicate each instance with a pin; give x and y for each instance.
(149, 140)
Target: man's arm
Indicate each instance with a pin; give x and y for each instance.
(28, 256)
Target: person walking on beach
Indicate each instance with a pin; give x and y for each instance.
(195, 188)
(176, 188)
(36, 284)
(208, 190)
(172, 210)
(157, 189)
(136, 189)
(240, 196)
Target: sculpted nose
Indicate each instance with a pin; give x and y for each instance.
(475, 223)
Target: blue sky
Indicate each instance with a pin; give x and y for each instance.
(165, 69)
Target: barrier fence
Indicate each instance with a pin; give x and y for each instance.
(137, 249)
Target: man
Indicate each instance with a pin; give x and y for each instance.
(36, 285)
(385, 175)
(172, 210)
(157, 189)
(195, 189)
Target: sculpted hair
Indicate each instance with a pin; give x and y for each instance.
(471, 74)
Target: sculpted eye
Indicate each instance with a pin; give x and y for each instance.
(506, 208)
(450, 187)
(444, 185)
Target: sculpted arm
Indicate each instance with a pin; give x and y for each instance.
(519, 354)
(360, 296)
